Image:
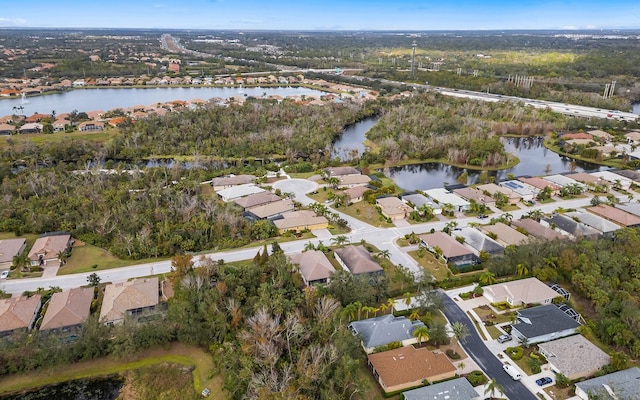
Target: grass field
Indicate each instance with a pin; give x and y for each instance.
(175, 354)
(438, 269)
(84, 256)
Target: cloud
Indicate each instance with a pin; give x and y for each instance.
(12, 21)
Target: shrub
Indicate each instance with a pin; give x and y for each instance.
(534, 364)
(477, 378)
(452, 354)
(515, 353)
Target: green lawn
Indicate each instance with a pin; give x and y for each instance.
(428, 261)
(493, 331)
(176, 354)
(485, 312)
(365, 212)
(85, 256)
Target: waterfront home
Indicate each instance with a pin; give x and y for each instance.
(67, 310)
(493, 190)
(129, 299)
(18, 313)
(443, 197)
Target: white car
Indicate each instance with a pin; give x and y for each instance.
(4, 274)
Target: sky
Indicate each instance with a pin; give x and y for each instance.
(323, 15)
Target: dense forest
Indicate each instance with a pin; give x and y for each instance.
(458, 130)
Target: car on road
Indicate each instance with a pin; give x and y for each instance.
(4, 274)
(504, 338)
(512, 371)
(544, 381)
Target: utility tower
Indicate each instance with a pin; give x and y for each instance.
(413, 60)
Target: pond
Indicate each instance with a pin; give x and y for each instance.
(107, 388)
(349, 145)
(108, 99)
(635, 108)
(535, 159)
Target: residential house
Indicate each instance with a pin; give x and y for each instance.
(629, 174)
(67, 310)
(351, 181)
(574, 356)
(631, 208)
(357, 260)
(621, 385)
(408, 367)
(633, 137)
(525, 192)
(520, 293)
(572, 228)
(588, 179)
(616, 215)
(564, 180)
(36, 117)
(333, 172)
(271, 210)
(493, 189)
(536, 229)
(10, 248)
(129, 299)
(257, 199)
(450, 249)
(614, 180)
(542, 324)
(578, 135)
(7, 129)
(225, 182)
(385, 329)
(479, 241)
(32, 127)
(443, 196)
(606, 137)
(91, 126)
(299, 221)
(598, 223)
(417, 200)
(393, 208)
(455, 389)
(236, 192)
(60, 124)
(474, 195)
(315, 268)
(504, 234)
(46, 250)
(539, 184)
(355, 194)
(18, 313)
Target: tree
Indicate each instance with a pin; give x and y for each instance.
(421, 333)
(494, 387)
(62, 257)
(384, 254)
(438, 334)
(487, 278)
(460, 331)
(339, 240)
(309, 246)
(522, 269)
(93, 280)
(22, 261)
(449, 226)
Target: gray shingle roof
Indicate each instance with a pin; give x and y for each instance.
(624, 384)
(543, 320)
(385, 329)
(568, 225)
(479, 240)
(455, 389)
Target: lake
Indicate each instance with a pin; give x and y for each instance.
(349, 145)
(535, 159)
(635, 108)
(109, 99)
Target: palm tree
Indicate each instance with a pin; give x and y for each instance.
(383, 307)
(22, 261)
(507, 217)
(339, 240)
(487, 278)
(62, 257)
(414, 315)
(522, 269)
(309, 246)
(449, 226)
(421, 333)
(407, 298)
(391, 303)
(493, 387)
(368, 309)
(460, 331)
(385, 254)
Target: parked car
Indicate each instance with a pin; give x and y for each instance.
(4, 274)
(512, 371)
(504, 338)
(206, 393)
(544, 381)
